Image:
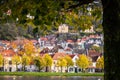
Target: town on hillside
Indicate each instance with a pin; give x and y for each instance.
(62, 51)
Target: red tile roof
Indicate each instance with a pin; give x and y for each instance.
(72, 55)
(56, 56)
(8, 53)
(34, 41)
(94, 55)
(70, 41)
(1, 48)
(43, 38)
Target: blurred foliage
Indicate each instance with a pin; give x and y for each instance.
(45, 15)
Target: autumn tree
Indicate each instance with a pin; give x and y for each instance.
(29, 48)
(61, 62)
(16, 59)
(48, 61)
(100, 63)
(25, 61)
(39, 62)
(83, 62)
(1, 60)
(69, 62)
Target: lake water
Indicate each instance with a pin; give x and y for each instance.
(49, 78)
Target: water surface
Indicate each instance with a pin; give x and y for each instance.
(50, 78)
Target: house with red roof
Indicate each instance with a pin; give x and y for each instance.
(94, 56)
(8, 54)
(55, 57)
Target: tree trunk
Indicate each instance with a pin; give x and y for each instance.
(39, 69)
(67, 69)
(61, 69)
(111, 27)
(3, 64)
(16, 68)
(46, 69)
(23, 68)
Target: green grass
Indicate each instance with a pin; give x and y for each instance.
(48, 74)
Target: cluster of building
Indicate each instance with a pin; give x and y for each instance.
(56, 48)
(57, 45)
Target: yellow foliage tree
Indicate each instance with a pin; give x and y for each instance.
(62, 63)
(100, 63)
(1, 60)
(48, 61)
(39, 62)
(69, 61)
(25, 61)
(29, 48)
(16, 59)
(83, 62)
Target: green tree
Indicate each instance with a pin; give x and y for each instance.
(16, 59)
(8, 31)
(80, 22)
(100, 63)
(39, 62)
(69, 61)
(83, 62)
(48, 61)
(25, 61)
(97, 48)
(61, 62)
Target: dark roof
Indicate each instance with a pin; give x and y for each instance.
(92, 53)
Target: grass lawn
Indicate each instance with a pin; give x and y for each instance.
(48, 74)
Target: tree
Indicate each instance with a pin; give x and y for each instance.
(16, 59)
(69, 61)
(39, 62)
(97, 48)
(48, 61)
(29, 48)
(25, 61)
(100, 63)
(83, 62)
(8, 31)
(1, 60)
(61, 62)
(80, 22)
(111, 23)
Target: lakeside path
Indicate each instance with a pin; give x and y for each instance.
(48, 74)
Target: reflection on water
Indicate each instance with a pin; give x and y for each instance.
(49, 78)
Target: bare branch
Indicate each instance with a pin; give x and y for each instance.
(80, 2)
